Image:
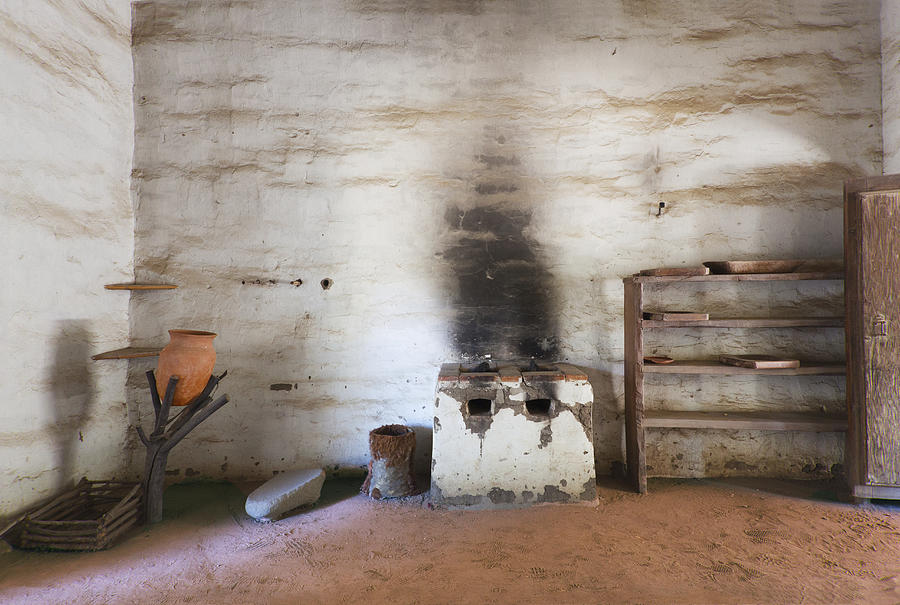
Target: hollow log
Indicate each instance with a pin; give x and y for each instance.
(391, 468)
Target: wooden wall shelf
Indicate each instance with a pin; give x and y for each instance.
(769, 322)
(655, 279)
(760, 421)
(133, 352)
(637, 419)
(712, 366)
(140, 286)
(128, 353)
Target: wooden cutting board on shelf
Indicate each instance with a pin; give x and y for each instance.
(676, 271)
(759, 362)
(677, 316)
(733, 267)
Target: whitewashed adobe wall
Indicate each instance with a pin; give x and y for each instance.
(890, 83)
(476, 177)
(67, 228)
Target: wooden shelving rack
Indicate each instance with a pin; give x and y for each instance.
(637, 419)
(133, 352)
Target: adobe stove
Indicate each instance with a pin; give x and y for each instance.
(508, 436)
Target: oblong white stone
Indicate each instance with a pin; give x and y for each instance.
(285, 492)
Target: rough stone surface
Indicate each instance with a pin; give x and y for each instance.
(476, 177)
(66, 229)
(285, 492)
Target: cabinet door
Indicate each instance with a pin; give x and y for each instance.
(880, 288)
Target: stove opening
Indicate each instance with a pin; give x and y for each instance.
(538, 407)
(479, 407)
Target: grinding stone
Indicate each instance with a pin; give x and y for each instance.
(285, 492)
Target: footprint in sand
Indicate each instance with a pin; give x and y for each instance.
(763, 536)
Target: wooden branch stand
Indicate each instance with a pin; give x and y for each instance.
(166, 435)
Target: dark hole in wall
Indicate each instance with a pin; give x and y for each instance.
(479, 407)
(538, 407)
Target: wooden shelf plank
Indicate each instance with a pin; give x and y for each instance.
(140, 286)
(762, 421)
(784, 322)
(128, 353)
(695, 366)
(651, 279)
(878, 492)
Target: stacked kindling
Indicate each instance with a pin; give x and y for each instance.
(89, 517)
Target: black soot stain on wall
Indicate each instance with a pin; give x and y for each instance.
(503, 295)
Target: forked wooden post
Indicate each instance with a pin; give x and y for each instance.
(634, 386)
(166, 435)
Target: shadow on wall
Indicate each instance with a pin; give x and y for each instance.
(74, 394)
(422, 456)
(502, 295)
(608, 422)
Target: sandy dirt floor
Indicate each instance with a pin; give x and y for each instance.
(685, 542)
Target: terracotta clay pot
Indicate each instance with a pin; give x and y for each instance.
(190, 356)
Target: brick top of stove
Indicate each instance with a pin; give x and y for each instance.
(512, 372)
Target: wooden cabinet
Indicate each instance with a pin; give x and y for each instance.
(637, 419)
(872, 292)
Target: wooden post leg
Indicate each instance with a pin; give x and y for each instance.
(634, 386)
(157, 454)
(154, 482)
(166, 435)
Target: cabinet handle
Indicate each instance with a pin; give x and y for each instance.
(879, 326)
